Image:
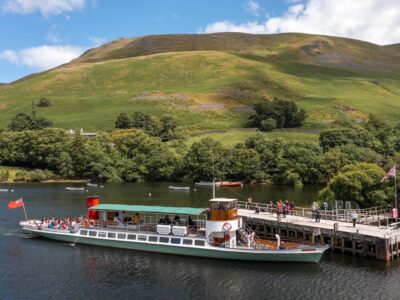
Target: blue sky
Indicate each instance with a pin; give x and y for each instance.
(39, 34)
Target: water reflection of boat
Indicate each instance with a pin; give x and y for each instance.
(216, 232)
(78, 189)
(231, 183)
(207, 183)
(179, 188)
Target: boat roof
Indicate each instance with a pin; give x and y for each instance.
(223, 200)
(149, 209)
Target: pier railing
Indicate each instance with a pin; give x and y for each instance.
(373, 215)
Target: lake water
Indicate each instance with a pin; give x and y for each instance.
(32, 268)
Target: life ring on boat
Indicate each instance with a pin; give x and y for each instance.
(227, 226)
(86, 223)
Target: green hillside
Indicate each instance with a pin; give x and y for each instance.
(210, 81)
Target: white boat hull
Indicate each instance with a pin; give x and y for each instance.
(311, 254)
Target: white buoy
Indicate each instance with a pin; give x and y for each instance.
(12, 190)
(149, 195)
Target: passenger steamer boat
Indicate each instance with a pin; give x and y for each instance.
(216, 232)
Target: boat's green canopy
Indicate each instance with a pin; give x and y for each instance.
(149, 209)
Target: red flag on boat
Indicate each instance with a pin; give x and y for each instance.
(391, 173)
(15, 203)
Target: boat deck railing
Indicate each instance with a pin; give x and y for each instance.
(198, 230)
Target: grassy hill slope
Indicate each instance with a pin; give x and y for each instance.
(210, 81)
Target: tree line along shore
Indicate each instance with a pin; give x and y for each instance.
(348, 162)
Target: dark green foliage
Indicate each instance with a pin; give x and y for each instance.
(143, 158)
(245, 164)
(268, 124)
(124, 121)
(342, 136)
(205, 159)
(4, 175)
(167, 128)
(22, 121)
(43, 102)
(285, 113)
(359, 183)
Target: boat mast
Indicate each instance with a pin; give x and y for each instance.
(213, 175)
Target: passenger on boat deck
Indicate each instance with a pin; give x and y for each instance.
(292, 205)
(126, 218)
(190, 222)
(136, 218)
(167, 220)
(117, 218)
(176, 220)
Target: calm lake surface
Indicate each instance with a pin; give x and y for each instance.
(32, 268)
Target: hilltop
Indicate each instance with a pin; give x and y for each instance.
(210, 81)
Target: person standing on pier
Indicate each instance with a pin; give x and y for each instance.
(317, 214)
(354, 217)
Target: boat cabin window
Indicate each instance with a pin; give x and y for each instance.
(175, 241)
(83, 232)
(164, 240)
(111, 235)
(131, 236)
(199, 243)
(223, 205)
(152, 239)
(142, 237)
(92, 233)
(121, 236)
(187, 242)
(102, 234)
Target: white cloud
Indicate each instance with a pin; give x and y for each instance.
(253, 7)
(42, 57)
(45, 7)
(376, 21)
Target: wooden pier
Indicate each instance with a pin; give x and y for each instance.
(377, 241)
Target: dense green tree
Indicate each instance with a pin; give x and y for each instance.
(268, 124)
(22, 121)
(143, 157)
(44, 102)
(143, 121)
(358, 183)
(285, 113)
(245, 164)
(124, 121)
(205, 158)
(342, 136)
(169, 127)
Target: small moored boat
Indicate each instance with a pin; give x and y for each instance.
(179, 188)
(208, 183)
(91, 184)
(4, 190)
(76, 189)
(216, 232)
